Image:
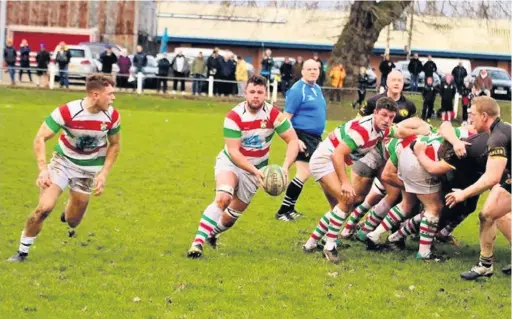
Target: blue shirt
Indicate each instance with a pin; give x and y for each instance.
(307, 104)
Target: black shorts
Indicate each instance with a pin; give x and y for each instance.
(311, 141)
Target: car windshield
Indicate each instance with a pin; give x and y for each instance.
(499, 75)
(96, 50)
(77, 53)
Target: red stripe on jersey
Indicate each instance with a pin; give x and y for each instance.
(274, 113)
(65, 114)
(69, 145)
(90, 125)
(115, 116)
(256, 124)
(254, 153)
(232, 115)
(431, 153)
(359, 129)
(371, 143)
(408, 140)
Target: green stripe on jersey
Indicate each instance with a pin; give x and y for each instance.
(269, 138)
(229, 133)
(283, 127)
(349, 142)
(259, 166)
(114, 131)
(52, 125)
(99, 161)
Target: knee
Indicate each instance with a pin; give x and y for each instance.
(484, 216)
(223, 201)
(43, 210)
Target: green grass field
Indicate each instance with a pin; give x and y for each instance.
(133, 241)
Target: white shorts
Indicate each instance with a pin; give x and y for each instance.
(247, 183)
(416, 179)
(64, 173)
(320, 163)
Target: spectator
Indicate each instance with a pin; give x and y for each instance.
(63, 58)
(483, 84)
(241, 75)
(42, 59)
(232, 87)
(10, 60)
(385, 68)
(25, 59)
(198, 72)
(429, 68)
(459, 73)
(447, 92)
(181, 69)
(163, 72)
(362, 84)
(466, 100)
(227, 67)
(140, 60)
(321, 78)
(107, 59)
(415, 68)
(337, 76)
(124, 64)
(213, 65)
(297, 70)
(267, 64)
(286, 71)
(429, 97)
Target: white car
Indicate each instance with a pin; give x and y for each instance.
(81, 63)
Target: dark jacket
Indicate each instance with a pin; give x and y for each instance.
(124, 64)
(25, 56)
(447, 91)
(63, 58)
(429, 92)
(297, 71)
(163, 67)
(321, 77)
(266, 66)
(429, 68)
(227, 69)
(415, 66)
(286, 70)
(459, 73)
(362, 82)
(10, 56)
(213, 65)
(140, 60)
(385, 67)
(107, 61)
(43, 59)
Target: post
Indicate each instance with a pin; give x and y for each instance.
(3, 22)
(140, 77)
(51, 74)
(268, 90)
(210, 86)
(274, 92)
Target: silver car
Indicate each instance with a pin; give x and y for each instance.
(81, 64)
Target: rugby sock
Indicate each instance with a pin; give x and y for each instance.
(486, 261)
(337, 218)
(377, 214)
(428, 228)
(394, 217)
(445, 232)
(409, 227)
(321, 229)
(291, 196)
(207, 224)
(220, 228)
(25, 243)
(356, 215)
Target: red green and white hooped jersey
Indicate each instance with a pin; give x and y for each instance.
(435, 140)
(255, 131)
(359, 135)
(84, 140)
(394, 148)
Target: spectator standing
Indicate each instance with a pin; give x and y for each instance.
(286, 71)
(233, 88)
(63, 58)
(42, 59)
(213, 65)
(483, 84)
(362, 84)
(241, 75)
(415, 68)
(337, 76)
(140, 61)
(124, 64)
(198, 71)
(267, 64)
(447, 92)
(181, 69)
(429, 68)
(107, 59)
(385, 68)
(163, 72)
(25, 59)
(466, 100)
(297, 70)
(10, 60)
(429, 97)
(226, 69)
(459, 73)
(321, 77)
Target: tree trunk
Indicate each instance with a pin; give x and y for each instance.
(365, 22)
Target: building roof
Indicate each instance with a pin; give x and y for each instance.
(318, 30)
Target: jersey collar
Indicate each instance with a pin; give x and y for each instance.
(496, 121)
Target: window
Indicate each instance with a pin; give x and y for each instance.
(77, 53)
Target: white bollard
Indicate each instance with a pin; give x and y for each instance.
(274, 92)
(210, 86)
(456, 105)
(51, 84)
(268, 90)
(140, 77)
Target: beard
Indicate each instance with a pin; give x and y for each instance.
(254, 107)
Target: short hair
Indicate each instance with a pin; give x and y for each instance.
(386, 103)
(257, 80)
(98, 81)
(486, 104)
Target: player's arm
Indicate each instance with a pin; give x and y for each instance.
(44, 134)
(432, 167)
(390, 176)
(291, 139)
(233, 147)
(114, 147)
(448, 132)
(409, 127)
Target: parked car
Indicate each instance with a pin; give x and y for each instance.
(402, 66)
(81, 63)
(501, 82)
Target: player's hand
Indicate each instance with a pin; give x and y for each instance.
(455, 197)
(347, 191)
(420, 147)
(43, 180)
(285, 171)
(260, 176)
(302, 146)
(460, 148)
(99, 184)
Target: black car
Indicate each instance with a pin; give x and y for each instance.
(501, 82)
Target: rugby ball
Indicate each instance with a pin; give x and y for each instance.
(274, 180)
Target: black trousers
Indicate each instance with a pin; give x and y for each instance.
(175, 82)
(161, 84)
(428, 109)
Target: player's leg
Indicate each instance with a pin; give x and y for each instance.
(75, 209)
(396, 241)
(504, 226)
(433, 204)
(293, 192)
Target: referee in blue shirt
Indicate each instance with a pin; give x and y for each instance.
(305, 106)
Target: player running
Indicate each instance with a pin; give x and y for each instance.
(82, 160)
(248, 131)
